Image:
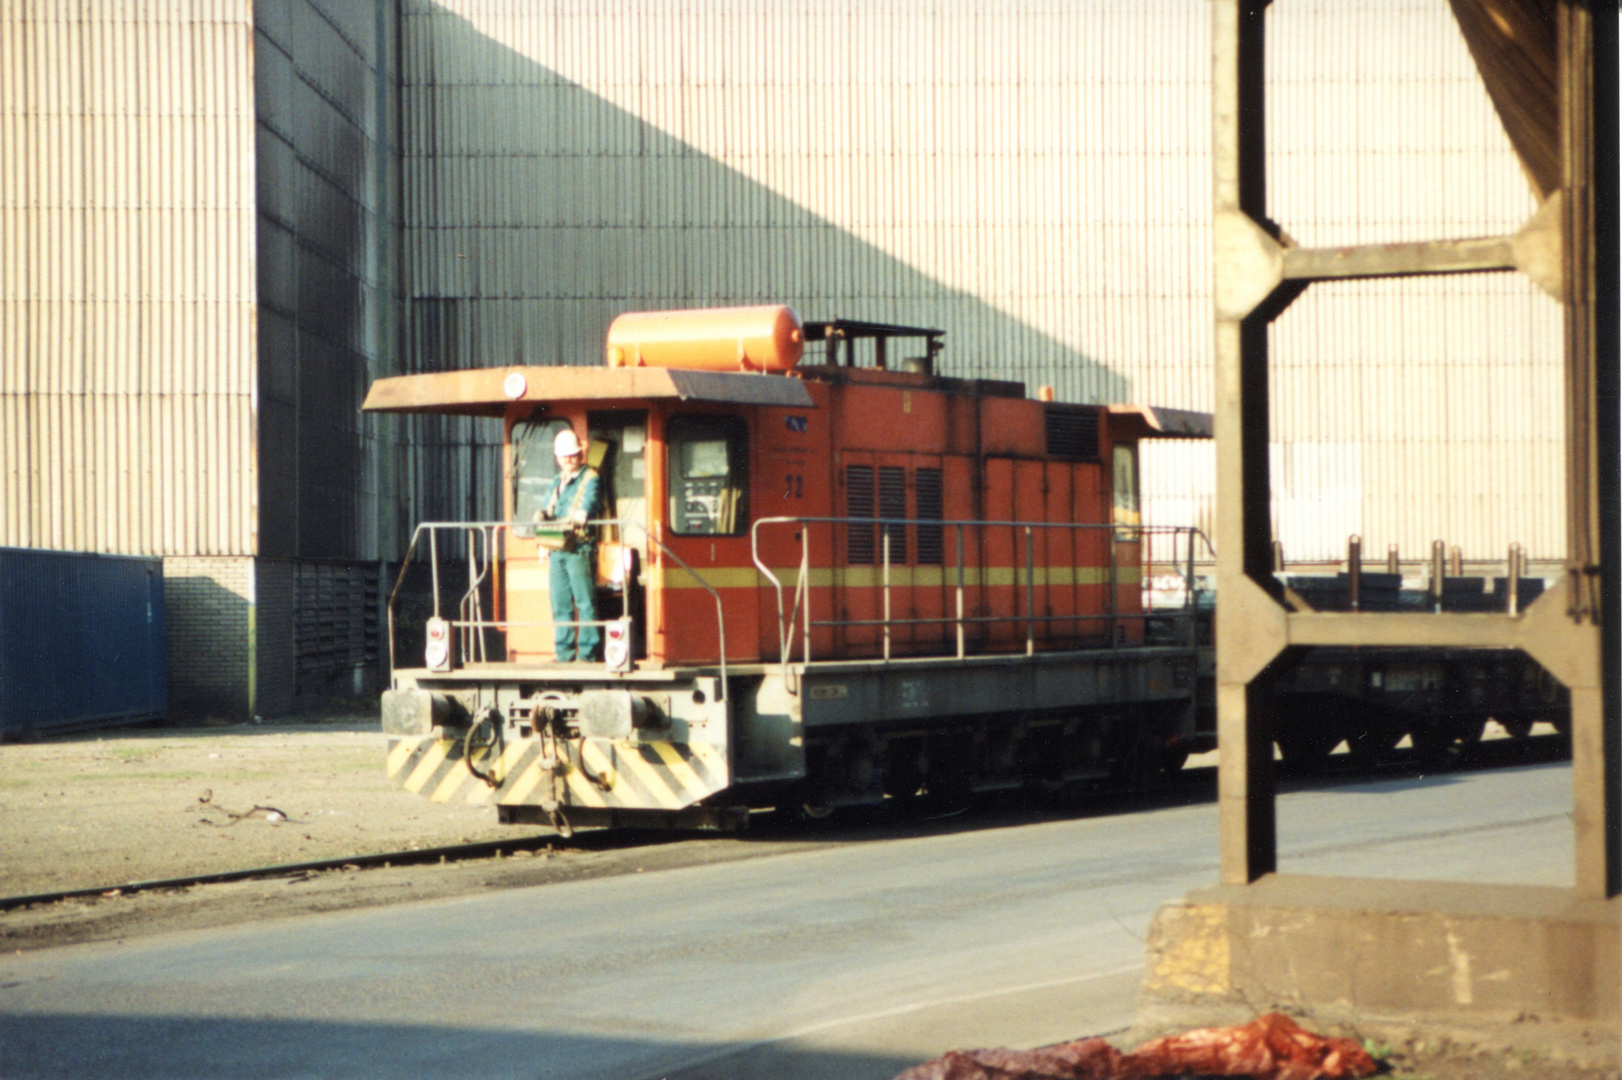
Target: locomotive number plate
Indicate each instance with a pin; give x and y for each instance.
(828, 693)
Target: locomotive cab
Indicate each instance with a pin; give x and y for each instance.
(675, 488)
(814, 579)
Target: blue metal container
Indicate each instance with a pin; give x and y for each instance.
(81, 640)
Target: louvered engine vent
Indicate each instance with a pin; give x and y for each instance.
(1073, 432)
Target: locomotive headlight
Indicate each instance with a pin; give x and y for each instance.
(437, 656)
(617, 645)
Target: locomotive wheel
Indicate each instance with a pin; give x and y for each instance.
(1518, 727)
(1437, 743)
(1374, 744)
(1172, 759)
(941, 798)
(1307, 751)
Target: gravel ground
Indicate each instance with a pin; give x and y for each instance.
(113, 808)
(145, 804)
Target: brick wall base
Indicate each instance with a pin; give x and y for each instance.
(305, 629)
(206, 604)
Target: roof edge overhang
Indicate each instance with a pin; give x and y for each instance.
(489, 391)
(1157, 422)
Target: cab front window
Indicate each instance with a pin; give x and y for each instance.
(533, 468)
(708, 475)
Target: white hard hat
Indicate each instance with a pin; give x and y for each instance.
(566, 444)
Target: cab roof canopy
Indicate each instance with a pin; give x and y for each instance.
(1158, 422)
(488, 391)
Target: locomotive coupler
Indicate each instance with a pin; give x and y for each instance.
(491, 747)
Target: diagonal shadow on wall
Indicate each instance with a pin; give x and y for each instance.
(527, 194)
(535, 211)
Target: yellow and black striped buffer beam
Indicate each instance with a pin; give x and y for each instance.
(578, 772)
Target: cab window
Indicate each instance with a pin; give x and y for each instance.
(708, 475)
(1126, 492)
(533, 468)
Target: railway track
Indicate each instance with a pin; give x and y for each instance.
(452, 853)
(1193, 784)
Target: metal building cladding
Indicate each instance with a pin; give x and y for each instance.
(81, 640)
(223, 220)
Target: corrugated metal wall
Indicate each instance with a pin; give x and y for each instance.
(126, 276)
(991, 170)
(995, 170)
(1419, 409)
(326, 174)
(1033, 178)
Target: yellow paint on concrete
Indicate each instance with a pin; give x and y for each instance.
(1189, 951)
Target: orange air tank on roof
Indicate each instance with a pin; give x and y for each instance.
(765, 338)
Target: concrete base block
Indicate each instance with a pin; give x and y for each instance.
(1391, 952)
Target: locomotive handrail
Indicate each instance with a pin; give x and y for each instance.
(802, 597)
(469, 604)
(720, 614)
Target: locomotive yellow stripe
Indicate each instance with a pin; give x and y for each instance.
(602, 768)
(710, 756)
(427, 765)
(722, 577)
(520, 788)
(651, 779)
(670, 781)
(600, 764)
(511, 754)
(454, 779)
(708, 760)
(399, 754)
(582, 791)
(901, 577)
(682, 772)
(499, 770)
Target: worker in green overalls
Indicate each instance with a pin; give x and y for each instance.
(573, 498)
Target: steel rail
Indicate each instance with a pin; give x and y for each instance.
(453, 853)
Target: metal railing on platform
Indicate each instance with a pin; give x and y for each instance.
(1177, 546)
(484, 544)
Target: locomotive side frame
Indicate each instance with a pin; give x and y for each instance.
(673, 742)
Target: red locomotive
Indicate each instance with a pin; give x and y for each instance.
(818, 584)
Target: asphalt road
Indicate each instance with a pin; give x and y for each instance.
(851, 962)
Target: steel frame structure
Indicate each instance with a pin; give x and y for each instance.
(1569, 249)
